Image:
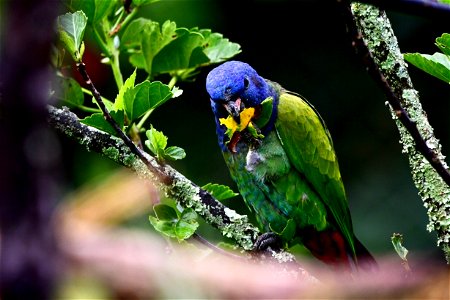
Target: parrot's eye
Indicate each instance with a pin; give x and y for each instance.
(246, 83)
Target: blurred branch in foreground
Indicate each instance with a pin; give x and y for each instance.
(136, 264)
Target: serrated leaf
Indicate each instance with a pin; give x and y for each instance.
(165, 212)
(443, 42)
(179, 54)
(187, 225)
(437, 64)
(165, 227)
(219, 191)
(144, 97)
(174, 153)
(68, 91)
(397, 240)
(145, 38)
(95, 10)
(129, 84)
(156, 142)
(218, 48)
(132, 35)
(170, 49)
(71, 27)
(98, 121)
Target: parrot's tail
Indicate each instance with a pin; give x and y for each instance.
(330, 247)
(365, 260)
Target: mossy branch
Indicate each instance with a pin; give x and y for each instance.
(179, 188)
(377, 44)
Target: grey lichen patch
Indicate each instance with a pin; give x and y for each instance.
(382, 43)
(230, 223)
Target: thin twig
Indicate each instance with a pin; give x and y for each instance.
(134, 149)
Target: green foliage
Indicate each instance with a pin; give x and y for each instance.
(173, 224)
(219, 191)
(152, 49)
(157, 144)
(144, 97)
(98, 121)
(168, 49)
(437, 64)
(94, 10)
(68, 91)
(397, 240)
(71, 27)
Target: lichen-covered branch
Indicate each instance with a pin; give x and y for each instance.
(230, 223)
(379, 47)
(179, 188)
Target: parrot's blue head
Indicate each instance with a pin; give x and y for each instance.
(233, 86)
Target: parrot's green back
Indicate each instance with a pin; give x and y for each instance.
(309, 147)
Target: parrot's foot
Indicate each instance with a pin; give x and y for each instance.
(266, 240)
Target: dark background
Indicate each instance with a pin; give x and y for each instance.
(303, 45)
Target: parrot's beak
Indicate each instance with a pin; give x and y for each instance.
(234, 109)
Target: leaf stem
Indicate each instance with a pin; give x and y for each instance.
(144, 118)
(172, 82)
(88, 92)
(103, 47)
(115, 66)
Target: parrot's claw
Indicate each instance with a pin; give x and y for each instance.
(266, 240)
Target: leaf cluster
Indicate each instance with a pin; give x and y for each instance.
(437, 64)
(153, 49)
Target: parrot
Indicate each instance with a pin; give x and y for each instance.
(281, 156)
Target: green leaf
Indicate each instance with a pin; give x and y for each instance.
(71, 27)
(219, 191)
(143, 2)
(156, 142)
(129, 84)
(98, 121)
(145, 38)
(444, 1)
(174, 153)
(266, 112)
(178, 55)
(95, 10)
(437, 64)
(144, 97)
(218, 48)
(69, 91)
(165, 212)
(174, 50)
(187, 225)
(165, 227)
(443, 42)
(397, 240)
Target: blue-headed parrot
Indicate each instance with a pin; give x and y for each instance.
(281, 156)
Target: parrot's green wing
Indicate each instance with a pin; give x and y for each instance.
(309, 147)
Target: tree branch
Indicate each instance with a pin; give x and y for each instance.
(179, 188)
(375, 41)
(417, 7)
